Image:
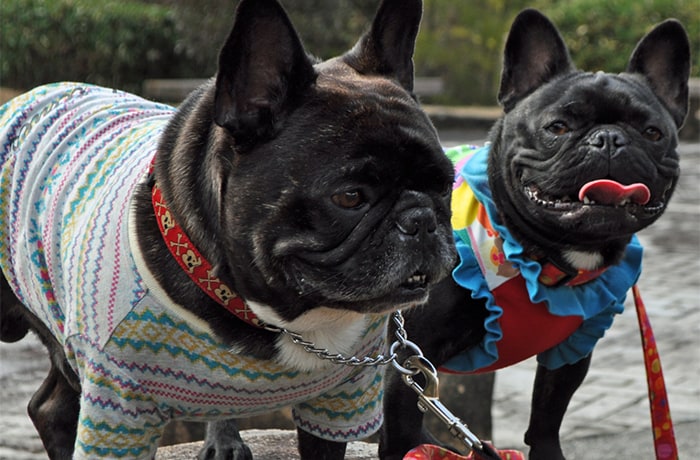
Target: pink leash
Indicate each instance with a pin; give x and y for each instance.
(661, 424)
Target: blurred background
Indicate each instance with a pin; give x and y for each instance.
(121, 43)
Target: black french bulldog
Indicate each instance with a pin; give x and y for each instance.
(544, 218)
(289, 200)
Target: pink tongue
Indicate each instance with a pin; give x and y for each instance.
(606, 191)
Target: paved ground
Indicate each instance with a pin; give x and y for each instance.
(608, 417)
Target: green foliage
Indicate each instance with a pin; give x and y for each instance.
(601, 34)
(327, 27)
(462, 43)
(122, 42)
(113, 42)
(328, 32)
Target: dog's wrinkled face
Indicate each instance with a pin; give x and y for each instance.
(330, 186)
(599, 158)
(588, 158)
(355, 211)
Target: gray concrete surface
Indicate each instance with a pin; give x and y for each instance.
(608, 417)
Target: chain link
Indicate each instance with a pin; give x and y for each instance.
(379, 360)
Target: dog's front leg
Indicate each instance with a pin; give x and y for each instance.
(314, 448)
(550, 398)
(223, 441)
(451, 322)
(403, 422)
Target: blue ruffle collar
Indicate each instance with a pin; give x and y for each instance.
(596, 302)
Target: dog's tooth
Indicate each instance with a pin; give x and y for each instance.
(586, 200)
(532, 193)
(416, 279)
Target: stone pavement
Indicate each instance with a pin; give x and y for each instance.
(608, 417)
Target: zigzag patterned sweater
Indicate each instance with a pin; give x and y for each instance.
(70, 159)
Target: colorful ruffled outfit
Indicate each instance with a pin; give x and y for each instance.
(559, 324)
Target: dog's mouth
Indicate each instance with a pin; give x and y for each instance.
(417, 281)
(413, 291)
(386, 294)
(633, 198)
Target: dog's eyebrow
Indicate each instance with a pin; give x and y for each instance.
(572, 104)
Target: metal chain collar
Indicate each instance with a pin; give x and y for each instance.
(379, 360)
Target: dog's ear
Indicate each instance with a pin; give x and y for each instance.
(387, 48)
(263, 68)
(663, 57)
(534, 54)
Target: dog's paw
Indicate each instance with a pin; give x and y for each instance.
(216, 451)
(224, 443)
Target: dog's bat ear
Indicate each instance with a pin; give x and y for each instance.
(663, 57)
(262, 69)
(534, 54)
(387, 48)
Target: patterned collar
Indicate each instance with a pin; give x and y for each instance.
(554, 274)
(199, 269)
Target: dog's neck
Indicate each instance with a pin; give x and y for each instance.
(195, 265)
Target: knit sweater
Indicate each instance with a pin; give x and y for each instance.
(561, 324)
(71, 158)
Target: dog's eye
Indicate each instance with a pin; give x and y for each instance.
(349, 200)
(558, 128)
(653, 134)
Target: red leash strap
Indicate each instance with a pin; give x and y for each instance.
(664, 438)
(432, 452)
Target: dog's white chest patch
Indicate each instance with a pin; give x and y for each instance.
(336, 331)
(584, 260)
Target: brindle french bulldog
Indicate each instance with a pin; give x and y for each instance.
(170, 259)
(544, 219)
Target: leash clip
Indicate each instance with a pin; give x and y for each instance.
(429, 400)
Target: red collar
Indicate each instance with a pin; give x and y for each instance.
(195, 265)
(554, 275)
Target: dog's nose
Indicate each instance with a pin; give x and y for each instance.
(413, 221)
(608, 140)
